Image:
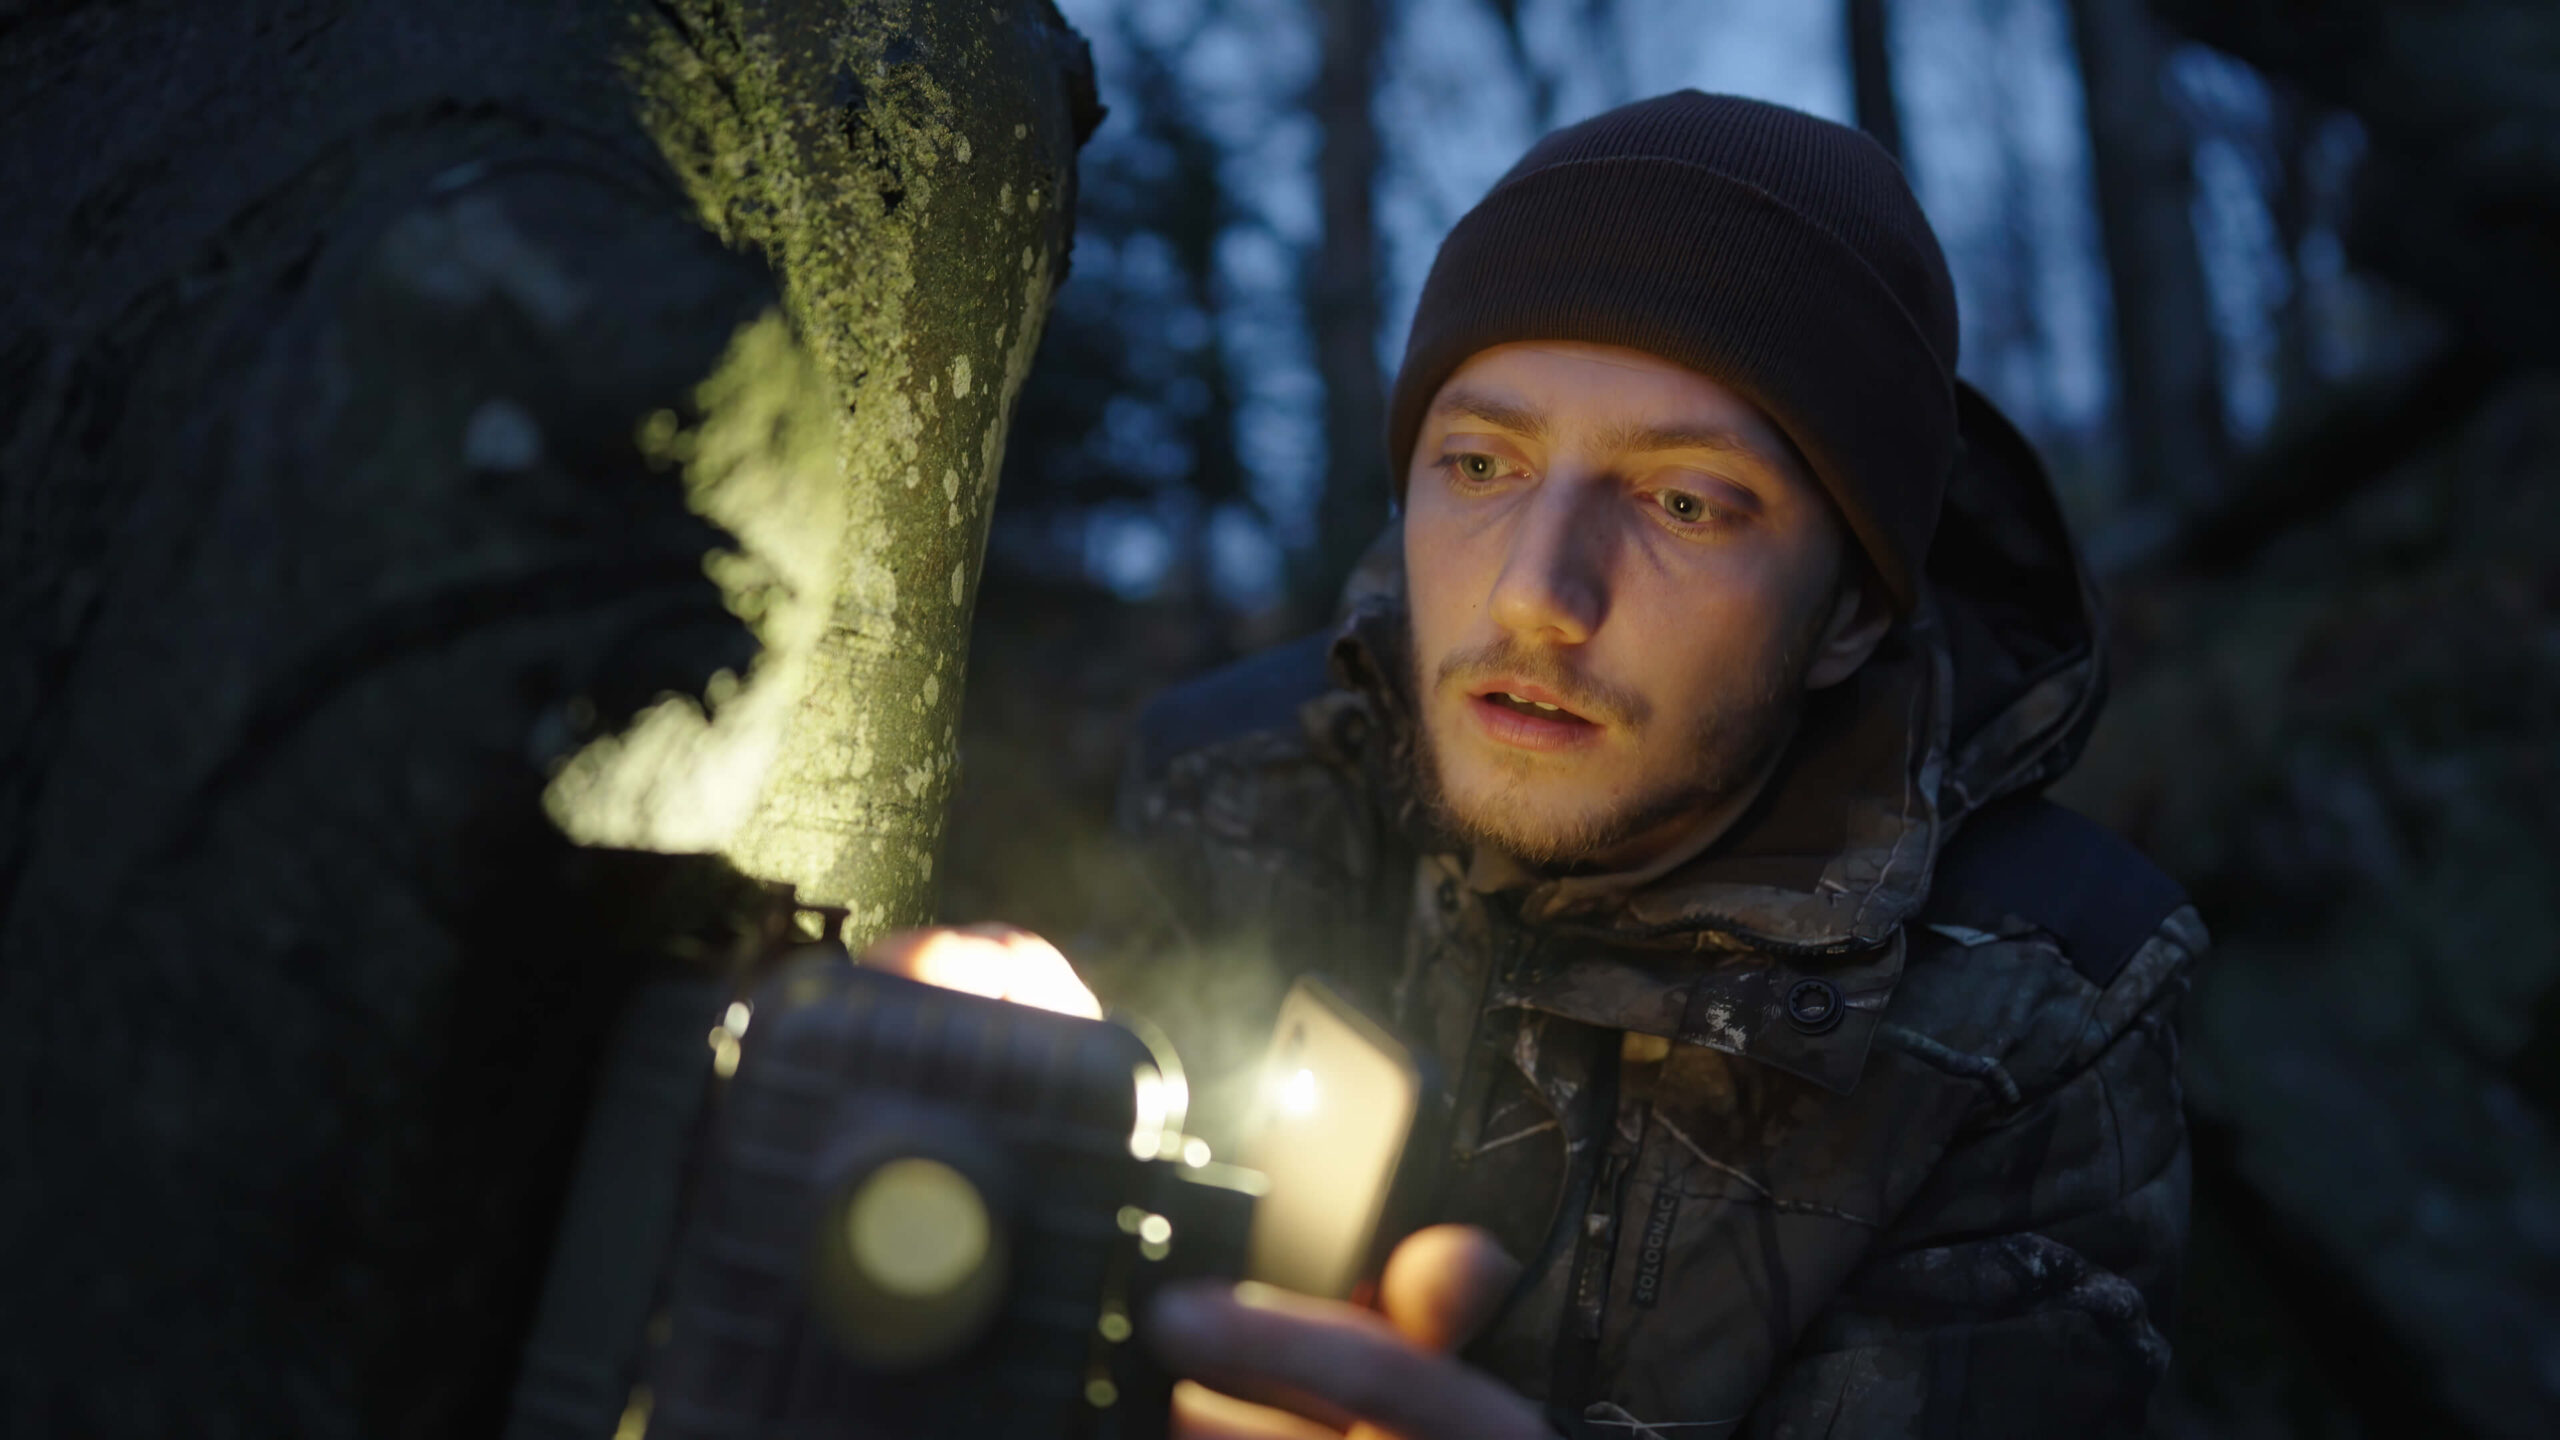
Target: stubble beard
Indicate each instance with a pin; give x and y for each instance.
(1727, 749)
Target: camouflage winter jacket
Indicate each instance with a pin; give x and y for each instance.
(1863, 1122)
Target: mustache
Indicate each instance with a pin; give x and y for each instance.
(1585, 695)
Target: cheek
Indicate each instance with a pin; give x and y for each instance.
(1695, 645)
(1440, 579)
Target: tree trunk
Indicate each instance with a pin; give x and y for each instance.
(384, 424)
(1871, 73)
(2293, 206)
(1341, 289)
(1537, 78)
(2168, 365)
(888, 169)
(1193, 217)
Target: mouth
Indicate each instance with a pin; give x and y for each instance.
(1513, 712)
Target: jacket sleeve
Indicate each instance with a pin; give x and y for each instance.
(2025, 1290)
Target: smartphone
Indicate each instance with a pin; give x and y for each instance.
(1340, 1133)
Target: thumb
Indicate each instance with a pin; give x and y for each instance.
(1444, 1283)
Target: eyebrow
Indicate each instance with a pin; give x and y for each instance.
(1494, 410)
(1639, 439)
(1626, 437)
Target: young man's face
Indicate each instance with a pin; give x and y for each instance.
(1604, 532)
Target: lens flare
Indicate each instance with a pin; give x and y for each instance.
(1146, 1137)
(918, 1228)
(1298, 1093)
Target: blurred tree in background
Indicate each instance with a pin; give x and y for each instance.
(2279, 296)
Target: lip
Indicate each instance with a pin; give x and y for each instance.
(1514, 685)
(1505, 726)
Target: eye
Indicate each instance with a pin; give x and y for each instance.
(1684, 507)
(1474, 467)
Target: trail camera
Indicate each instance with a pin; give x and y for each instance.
(920, 1213)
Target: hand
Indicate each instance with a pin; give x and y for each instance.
(1001, 962)
(1292, 1368)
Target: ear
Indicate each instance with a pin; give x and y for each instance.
(1860, 615)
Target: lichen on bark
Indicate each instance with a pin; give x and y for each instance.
(872, 156)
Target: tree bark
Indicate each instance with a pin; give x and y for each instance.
(1343, 308)
(2168, 365)
(883, 159)
(376, 391)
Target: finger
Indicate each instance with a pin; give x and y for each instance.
(998, 961)
(901, 952)
(896, 953)
(1200, 1413)
(1037, 973)
(1331, 1363)
(1188, 1325)
(1444, 1283)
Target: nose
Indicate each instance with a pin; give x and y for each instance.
(1552, 589)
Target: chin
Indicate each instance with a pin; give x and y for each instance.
(1523, 818)
(1537, 846)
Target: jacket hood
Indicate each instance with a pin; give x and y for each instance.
(1988, 689)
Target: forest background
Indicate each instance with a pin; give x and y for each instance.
(2273, 289)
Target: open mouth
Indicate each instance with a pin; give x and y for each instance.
(1526, 717)
(1541, 708)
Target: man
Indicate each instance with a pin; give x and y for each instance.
(1673, 781)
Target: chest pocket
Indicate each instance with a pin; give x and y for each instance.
(1753, 1197)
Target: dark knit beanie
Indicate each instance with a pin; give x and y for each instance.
(1780, 255)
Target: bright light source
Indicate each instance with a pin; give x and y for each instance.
(1022, 968)
(1155, 1230)
(1147, 1136)
(735, 1022)
(1195, 1152)
(1298, 1093)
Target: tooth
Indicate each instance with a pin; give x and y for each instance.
(1543, 705)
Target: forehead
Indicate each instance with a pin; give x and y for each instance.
(1572, 392)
